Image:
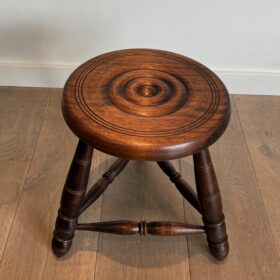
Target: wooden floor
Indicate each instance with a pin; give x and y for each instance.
(36, 148)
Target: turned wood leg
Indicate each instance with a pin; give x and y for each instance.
(100, 186)
(182, 186)
(211, 205)
(71, 199)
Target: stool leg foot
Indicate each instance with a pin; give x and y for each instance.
(71, 199)
(61, 248)
(211, 205)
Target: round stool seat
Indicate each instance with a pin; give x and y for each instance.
(146, 104)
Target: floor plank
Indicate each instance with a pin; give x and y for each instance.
(17, 146)
(27, 254)
(142, 192)
(10, 185)
(260, 116)
(22, 110)
(252, 250)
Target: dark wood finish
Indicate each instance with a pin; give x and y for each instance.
(71, 199)
(101, 185)
(182, 186)
(160, 228)
(211, 204)
(146, 104)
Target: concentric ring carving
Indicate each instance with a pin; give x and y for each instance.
(155, 91)
(147, 92)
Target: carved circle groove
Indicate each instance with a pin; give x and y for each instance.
(147, 93)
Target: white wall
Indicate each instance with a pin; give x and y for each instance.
(42, 41)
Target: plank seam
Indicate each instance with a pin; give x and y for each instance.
(97, 244)
(185, 218)
(256, 178)
(25, 179)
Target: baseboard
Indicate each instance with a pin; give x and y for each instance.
(51, 75)
(34, 75)
(259, 82)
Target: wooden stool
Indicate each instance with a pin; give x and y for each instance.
(143, 104)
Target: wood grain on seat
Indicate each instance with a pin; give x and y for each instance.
(146, 104)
